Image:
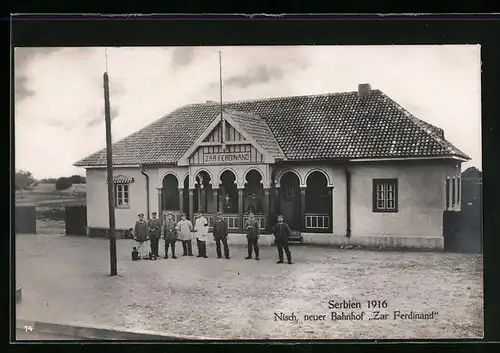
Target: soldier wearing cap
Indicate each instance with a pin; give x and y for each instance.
(281, 232)
(201, 229)
(154, 227)
(170, 235)
(220, 234)
(184, 229)
(141, 232)
(252, 230)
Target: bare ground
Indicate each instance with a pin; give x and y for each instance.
(66, 280)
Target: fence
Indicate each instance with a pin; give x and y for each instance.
(317, 221)
(76, 220)
(25, 219)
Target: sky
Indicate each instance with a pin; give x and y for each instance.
(59, 106)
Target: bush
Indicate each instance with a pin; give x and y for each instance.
(63, 183)
(48, 180)
(77, 179)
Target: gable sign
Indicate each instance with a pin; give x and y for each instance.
(227, 157)
(121, 179)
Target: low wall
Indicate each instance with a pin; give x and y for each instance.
(241, 239)
(396, 242)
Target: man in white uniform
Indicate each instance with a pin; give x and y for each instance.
(184, 229)
(201, 230)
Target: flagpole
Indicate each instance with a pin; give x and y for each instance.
(109, 159)
(223, 125)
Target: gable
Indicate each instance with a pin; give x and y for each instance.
(231, 134)
(239, 147)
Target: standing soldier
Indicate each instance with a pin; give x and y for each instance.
(220, 234)
(154, 226)
(252, 229)
(201, 229)
(170, 235)
(281, 232)
(184, 229)
(141, 233)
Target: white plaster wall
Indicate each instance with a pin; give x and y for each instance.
(421, 199)
(97, 197)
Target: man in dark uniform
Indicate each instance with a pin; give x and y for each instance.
(281, 233)
(220, 234)
(170, 235)
(154, 226)
(252, 229)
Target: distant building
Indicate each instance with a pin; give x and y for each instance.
(336, 165)
(471, 215)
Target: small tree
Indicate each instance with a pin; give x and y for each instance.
(63, 183)
(23, 179)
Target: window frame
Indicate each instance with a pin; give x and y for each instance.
(454, 192)
(447, 184)
(291, 194)
(375, 193)
(120, 194)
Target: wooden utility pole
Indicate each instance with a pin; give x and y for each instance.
(111, 185)
(222, 123)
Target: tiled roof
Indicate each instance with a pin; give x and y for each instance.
(329, 126)
(258, 129)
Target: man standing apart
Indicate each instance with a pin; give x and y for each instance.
(252, 229)
(170, 235)
(184, 229)
(201, 229)
(154, 226)
(141, 233)
(220, 234)
(281, 233)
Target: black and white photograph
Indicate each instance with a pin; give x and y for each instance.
(248, 192)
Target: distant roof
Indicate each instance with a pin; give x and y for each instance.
(327, 126)
(471, 173)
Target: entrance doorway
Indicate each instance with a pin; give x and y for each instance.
(254, 193)
(228, 193)
(290, 200)
(170, 193)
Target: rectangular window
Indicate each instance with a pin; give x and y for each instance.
(289, 193)
(453, 191)
(385, 195)
(122, 195)
(447, 187)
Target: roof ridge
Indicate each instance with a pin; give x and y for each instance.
(243, 114)
(281, 97)
(420, 123)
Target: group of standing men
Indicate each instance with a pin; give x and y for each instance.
(171, 231)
